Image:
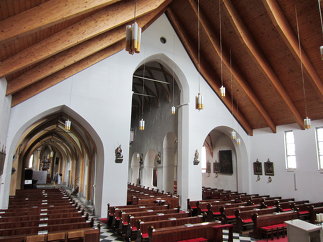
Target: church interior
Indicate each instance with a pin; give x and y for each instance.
(154, 120)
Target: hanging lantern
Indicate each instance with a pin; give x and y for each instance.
(51, 154)
(133, 38)
(173, 110)
(307, 123)
(222, 91)
(142, 124)
(199, 102)
(68, 124)
(321, 50)
(238, 141)
(233, 135)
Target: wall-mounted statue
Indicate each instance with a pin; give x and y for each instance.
(196, 158)
(118, 153)
(158, 158)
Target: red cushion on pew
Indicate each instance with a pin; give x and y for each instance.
(134, 228)
(216, 213)
(231, 216)
(111, 214)
(182, 211)
(125, 223)
(103, 220)
(117, 218)
(270, 206)
(193, 240)
(267, 228)
(204, 209)
(145, 236)
(249, 220)
(286, 209)
(304, 212)
(193, 207)
(280, 225)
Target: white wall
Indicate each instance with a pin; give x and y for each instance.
(101, 99)
(266, 145)
(5, 105)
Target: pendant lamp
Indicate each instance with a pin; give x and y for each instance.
(68, 124)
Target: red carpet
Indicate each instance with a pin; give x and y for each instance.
(275, 240)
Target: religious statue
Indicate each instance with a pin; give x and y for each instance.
(158, 158)
(118, 153)
(196, 158)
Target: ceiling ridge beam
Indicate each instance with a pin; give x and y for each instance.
(63, 74)
(72, 55)
(282, 25)
(236, 74)
(255, 52)
(45, 15)
(101, 22)
(190, 50)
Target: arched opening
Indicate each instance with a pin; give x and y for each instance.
(134, 170)
(149, 167)
(46, 153)
(224, 159)
(170, 162)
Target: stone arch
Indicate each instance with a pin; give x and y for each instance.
(134, 170)
(17, 133)
(240, 157)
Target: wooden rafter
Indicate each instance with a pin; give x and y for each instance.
(59, 76)
(255, 52)
(281, 24)
(181, 33)
(236, 74)
(72, 55)
(47, 14)
(98, 23)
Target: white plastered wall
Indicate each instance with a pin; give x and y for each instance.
(308, 180)
(101, 95)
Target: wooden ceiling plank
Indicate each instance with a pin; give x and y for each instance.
(47, 14)
(236, 74)
(59, 76)
(192, 53)
(73, 55)
(109, 18)
(282, 25)
(255, 52)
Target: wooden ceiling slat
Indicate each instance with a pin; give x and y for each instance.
(261, 61)
(47, 14)
(59, 76)
(192, 52)
(103, 21)
(236, 74)
(281, 23)
(72, 55)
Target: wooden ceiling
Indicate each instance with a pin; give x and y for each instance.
(43, 42)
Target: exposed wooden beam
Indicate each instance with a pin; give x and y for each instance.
(260, 60)
(59, 76)
(73, 55)
(47, 14)
(204, 72)
(236, 74)
(99, 23)
(282, 25)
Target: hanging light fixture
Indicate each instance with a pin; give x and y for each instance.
(199, 98)
(222, 88)
(173, 109)
(307, 120)
(142, 121)
(68, 124)
(51, 154)
(238, 141)
(133, 36)
(321, 47)
(233, 133)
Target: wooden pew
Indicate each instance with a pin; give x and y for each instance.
(271, 224)
(211, 231)
(143, 226)
(132, 226)
(244, 218)
(228, 213)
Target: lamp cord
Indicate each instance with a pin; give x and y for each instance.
(321, 17)
(198, 40)
(300, 56)
(143, 91)
(221, 75)
(231, 84)
(134, 14)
